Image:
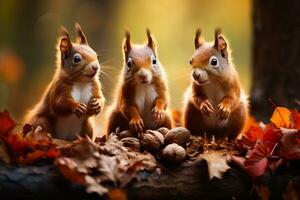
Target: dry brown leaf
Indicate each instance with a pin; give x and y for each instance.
(93, 186)
(216, 162)
(109, 167)
(68, 168)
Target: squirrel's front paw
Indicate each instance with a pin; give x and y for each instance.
(206, 108)
(94, 107)
(224, 111)
(80, 110)
(159, 115)
(137, 125)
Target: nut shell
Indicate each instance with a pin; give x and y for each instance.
(174, 153)
(178, 135)
(152, 140)
(163, 130)
(132, 143)
(124, 134)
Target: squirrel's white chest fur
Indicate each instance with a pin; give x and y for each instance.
(145, 96)
(67, 127)
(82, 92)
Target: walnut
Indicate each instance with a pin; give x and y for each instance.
(174, 153)
(132, 143)
(178, 135)
(163, 130)
(152, 140)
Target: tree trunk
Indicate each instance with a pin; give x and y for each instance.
(276, 53)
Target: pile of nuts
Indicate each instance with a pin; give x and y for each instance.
(170, 144)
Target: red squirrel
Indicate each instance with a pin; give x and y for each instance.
(215, 102)
(142, 93)
(74, 95)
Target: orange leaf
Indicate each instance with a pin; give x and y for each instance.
(281, 117)
(31, 157)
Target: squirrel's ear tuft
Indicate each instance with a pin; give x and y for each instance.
(81, 38)
(151, 40)
(127, 43)
(65, 42)
(220, 44)
(198, 41)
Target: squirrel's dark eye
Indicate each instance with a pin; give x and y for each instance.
(77, 58)
(129, 62)
(213, 61)
(154, 61)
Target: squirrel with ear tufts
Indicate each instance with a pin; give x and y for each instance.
(142, 98)
(74, 95)
(215, 102)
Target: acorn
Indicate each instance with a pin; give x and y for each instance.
(152, 140)
(174, 153)
(178, 135)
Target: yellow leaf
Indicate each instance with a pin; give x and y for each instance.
(281, 117)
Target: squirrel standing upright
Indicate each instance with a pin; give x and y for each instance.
(74, 94)
(143, 93)
(215, 103)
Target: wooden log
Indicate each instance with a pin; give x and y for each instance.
(184, 181)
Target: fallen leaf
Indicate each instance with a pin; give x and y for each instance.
(295, 119)
(6, 123)
(93, 186)
(290, 148)
(271, 135)
(216, 162)
(109, 167)
(68, 168)
(257, 160)
(194, 147)
(281, 117)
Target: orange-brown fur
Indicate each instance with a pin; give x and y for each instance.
(57, 100)
(125, 113)
(224, 114)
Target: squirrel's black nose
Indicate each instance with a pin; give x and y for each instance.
(196, 75)
(143, 76)
(95, 67)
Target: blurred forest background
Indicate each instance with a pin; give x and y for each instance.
(29, 30)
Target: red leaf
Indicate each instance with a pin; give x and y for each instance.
(290, 148)
(254, 133)
(271, 135)
(295, 115)
(257, 161)
(6, 123)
